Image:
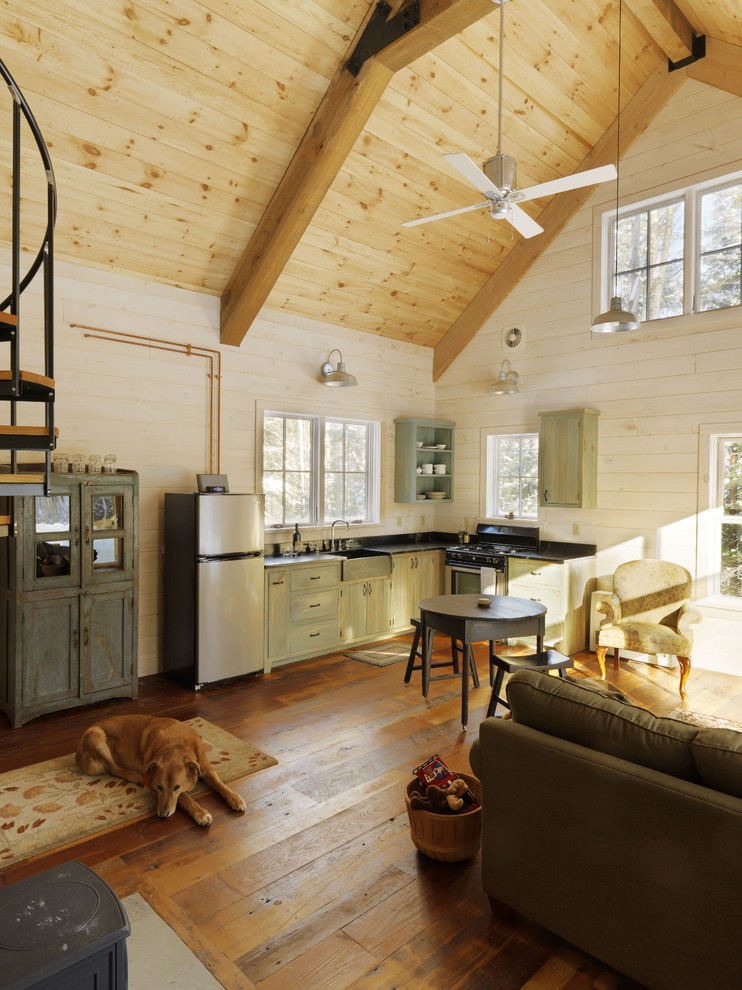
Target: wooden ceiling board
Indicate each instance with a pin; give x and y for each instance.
(172, 123)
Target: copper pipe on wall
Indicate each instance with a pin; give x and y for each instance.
(214, 374)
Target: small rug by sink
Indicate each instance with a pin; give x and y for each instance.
(53, 804)
(382, 655)
(705, 721)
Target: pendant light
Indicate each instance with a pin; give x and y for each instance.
(507, 381)
(338, 376)
(616, 319)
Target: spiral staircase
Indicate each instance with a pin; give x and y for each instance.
(27, 431)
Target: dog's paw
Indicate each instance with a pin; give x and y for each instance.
(236, 802)
(202, 817)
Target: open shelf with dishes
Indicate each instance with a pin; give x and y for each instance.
(424, 460)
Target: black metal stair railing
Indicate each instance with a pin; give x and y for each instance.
(18, 387)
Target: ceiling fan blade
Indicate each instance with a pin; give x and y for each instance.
(592, 176)
(448, 213)
(524, 224)
(472, 173)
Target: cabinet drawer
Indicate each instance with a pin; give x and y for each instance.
(552, 599)
(310, 578)
(314, 605)
(313, 636)
(538, 573)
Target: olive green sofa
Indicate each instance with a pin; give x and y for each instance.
(617, 830)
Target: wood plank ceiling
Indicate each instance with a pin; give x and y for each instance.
(223, 146)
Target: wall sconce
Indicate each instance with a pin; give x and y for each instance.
(507, 381)
(616, 319)
(337, 376)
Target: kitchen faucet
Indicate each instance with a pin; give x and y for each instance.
(332, 532)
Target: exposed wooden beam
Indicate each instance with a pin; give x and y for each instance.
(666, 25)
(635, 117)
(340, 118)
(720, 67)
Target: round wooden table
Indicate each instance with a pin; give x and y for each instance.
(461, 618)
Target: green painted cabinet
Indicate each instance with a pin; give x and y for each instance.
(302, 610)
(415, 576)
(365, 610)
(423, 460)
(68, 596)
(568, 458)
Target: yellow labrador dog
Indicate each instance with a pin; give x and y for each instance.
(163, 754)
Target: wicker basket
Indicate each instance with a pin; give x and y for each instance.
(448, 838)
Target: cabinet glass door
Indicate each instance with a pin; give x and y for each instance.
(107, 537)
(54, 525)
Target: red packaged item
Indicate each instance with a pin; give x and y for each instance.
(435, 771)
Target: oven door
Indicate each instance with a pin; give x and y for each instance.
(463, 580)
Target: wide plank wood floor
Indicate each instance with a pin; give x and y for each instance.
(318, 885)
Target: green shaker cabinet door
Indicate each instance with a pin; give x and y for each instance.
(50, 638)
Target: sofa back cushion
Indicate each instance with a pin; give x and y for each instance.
(718, 757)
(584, 712)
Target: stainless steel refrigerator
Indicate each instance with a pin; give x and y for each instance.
(213, 579)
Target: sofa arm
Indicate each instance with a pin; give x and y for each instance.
(610, 606)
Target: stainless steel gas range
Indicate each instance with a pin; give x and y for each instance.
(480, 566)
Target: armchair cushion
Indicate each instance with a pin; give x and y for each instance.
(645, 637)
(603, 721)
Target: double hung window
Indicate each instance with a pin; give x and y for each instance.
(319, 468)
(512, 476)
(677, 254)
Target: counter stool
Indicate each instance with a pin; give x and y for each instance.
(416, 653)
(546, 660)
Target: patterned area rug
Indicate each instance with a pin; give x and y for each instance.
(53, 804)
(705, 721)
(382, 656)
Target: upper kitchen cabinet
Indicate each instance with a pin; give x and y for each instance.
(567, 458)
(423, 461)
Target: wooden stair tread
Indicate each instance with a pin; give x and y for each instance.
(21, 479)
(9, 318)
(28, 376)
(31, 431)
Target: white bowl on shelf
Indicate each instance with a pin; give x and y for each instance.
(419, 443)
(436, 495)
(440, 446)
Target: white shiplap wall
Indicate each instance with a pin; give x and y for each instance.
(654, 388)
(150, 406)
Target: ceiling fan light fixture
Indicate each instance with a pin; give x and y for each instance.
(507, 381)
(616, 319)
(336, 376)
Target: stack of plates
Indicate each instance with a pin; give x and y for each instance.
(436, 495)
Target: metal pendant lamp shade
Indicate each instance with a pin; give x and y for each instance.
(337, 377)
(507, 381)
(616, 319)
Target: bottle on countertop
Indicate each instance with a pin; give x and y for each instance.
(296, 539)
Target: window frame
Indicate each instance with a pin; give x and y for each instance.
(489, 479)
(711, 515)
(604, 259)
(318, 423)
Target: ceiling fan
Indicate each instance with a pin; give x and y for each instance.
(497, 178)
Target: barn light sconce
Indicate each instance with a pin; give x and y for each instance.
(507, 381)
(336, 376)
(616, 319)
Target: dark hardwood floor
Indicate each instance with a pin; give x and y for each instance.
(319, 885)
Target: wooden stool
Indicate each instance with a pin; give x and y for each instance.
(416, 653)
(546, 660)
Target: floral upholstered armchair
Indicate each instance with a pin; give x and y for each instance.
(648, 612)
